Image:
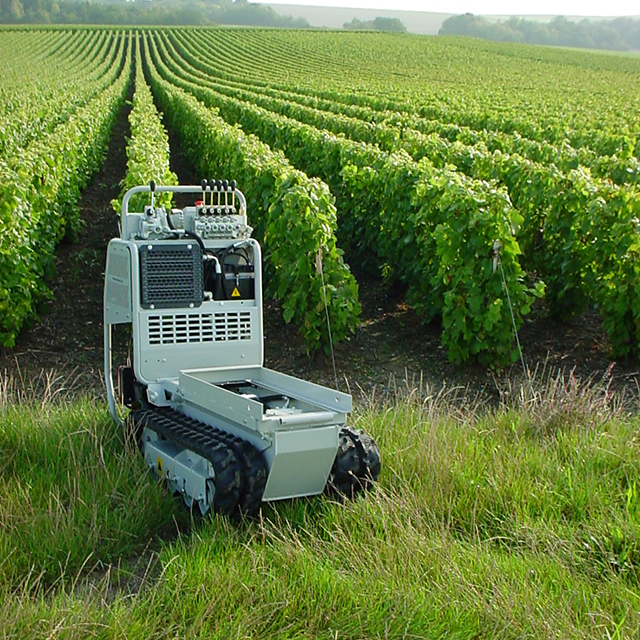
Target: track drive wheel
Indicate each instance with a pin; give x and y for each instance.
(357, 464)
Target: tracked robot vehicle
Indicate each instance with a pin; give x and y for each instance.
(221, 429)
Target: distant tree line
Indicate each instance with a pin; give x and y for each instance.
(169, 12)
(620, 34)
(377, 24)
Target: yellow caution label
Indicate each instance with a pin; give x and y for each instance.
(235, 293)
(159, 465)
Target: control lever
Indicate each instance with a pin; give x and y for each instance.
(225, 186)
(203, 184)
(212, 186)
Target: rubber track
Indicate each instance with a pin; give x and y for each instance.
(357, 464)
(254, 467)
(240, 469)
(369, 456)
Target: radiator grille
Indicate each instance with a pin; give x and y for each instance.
(189, 328)
(171, 275)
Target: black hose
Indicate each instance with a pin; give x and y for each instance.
(197, 238)
(170, 222)
(208, 267)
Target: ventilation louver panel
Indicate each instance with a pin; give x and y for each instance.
(171, 275)
(193, 328)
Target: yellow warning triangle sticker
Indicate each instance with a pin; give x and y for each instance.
(235, 293)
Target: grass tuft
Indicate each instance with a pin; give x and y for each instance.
(552, 401)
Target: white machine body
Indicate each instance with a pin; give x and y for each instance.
(189, 284)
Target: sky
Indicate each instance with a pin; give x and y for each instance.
(489, 7)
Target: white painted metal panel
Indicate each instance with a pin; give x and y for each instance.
(118, 290)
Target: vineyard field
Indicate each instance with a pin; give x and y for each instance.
(430, 194)
(481, 178)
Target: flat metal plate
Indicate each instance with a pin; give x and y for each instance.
(302, 463)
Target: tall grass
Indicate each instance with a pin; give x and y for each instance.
(518, 521)
(72, 495)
